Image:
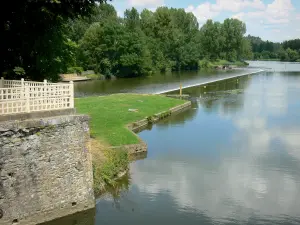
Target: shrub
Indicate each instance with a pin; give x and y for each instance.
(205, 64)
(75, 69)
(106, 172)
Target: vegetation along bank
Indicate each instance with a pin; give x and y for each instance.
(72, 36)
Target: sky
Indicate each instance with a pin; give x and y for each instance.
(273, 20)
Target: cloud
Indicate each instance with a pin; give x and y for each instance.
(237, 5)
(146, 3)
(250, 184)
(278, 12)
(278, 15)
(208, 10)
(203, 12)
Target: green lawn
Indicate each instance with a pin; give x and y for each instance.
(207, 64)
(110, 115)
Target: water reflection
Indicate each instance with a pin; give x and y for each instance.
(153, 84)
(118, 189)
(82, 218)
(232, 159)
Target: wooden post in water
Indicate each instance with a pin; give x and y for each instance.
(180, 90)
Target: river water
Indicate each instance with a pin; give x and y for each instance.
(155, 84)
(233, 158)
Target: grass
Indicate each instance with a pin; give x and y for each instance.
(107, 164)
(207, 64)
(268, 59)
(94, 76)
(109, 117)
(110, 114)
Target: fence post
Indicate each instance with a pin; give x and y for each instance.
(45, 95)
(71, 94)
(27, 98)
(25, 89)
(2, 82)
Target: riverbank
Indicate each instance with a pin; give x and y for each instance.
(110, 116)
(221, 64)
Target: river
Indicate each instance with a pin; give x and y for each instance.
(155, 84)
(233, 158)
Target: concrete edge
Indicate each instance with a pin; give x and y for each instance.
(41, 122)
(33, 115)
(140, 125)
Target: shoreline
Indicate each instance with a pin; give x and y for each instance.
(141, 148)
(140, 125)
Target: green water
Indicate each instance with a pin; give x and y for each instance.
(233, 158)
(154, 84)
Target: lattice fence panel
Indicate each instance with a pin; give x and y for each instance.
(27, 96)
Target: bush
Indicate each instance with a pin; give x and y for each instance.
(240, 63)
(19, 70)
(75, 69)
(205, 64)
(105, 173)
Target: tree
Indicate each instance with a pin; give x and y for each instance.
(292, 44)
(233, 31)
(246, 50)
(292, 54)
(110, 48)
(132, 19)
(33, 36)
(77, 27)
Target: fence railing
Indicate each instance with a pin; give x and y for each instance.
(28, 96)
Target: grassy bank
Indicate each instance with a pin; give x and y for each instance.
(107, 165)
(109, 117)
(110, 114)
(267, 60)
(207, 64)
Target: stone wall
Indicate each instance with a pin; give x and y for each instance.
(45, 169)
(138, 126)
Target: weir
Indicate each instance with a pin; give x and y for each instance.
(207, 82)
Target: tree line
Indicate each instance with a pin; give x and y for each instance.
(139, 44)
(42, 39)
(267, 50)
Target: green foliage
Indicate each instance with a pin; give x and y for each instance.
(34, 38)
(106, 172)
(207, 64)
(165, 40)
(141, 43)
(45, 38)
(266, 50)
(19, 71)
(292, 54)
(75, 69)
(292, 44)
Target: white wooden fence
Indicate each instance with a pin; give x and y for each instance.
(19, 96)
